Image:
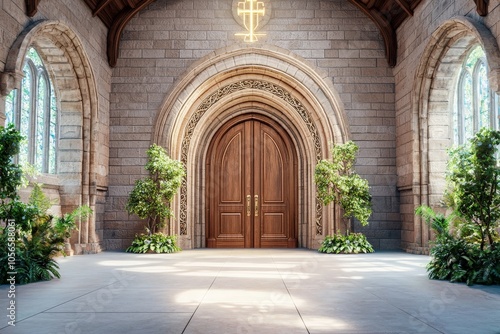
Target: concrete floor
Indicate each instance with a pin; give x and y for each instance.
(250, 291)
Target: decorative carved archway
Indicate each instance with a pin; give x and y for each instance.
(269, 81)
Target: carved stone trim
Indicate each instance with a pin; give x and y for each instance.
(239, 86)
(9, 81)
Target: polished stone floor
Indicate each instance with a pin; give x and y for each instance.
(250, 291)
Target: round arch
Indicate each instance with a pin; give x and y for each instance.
(433, 101)
(69, 68)
(229, 82)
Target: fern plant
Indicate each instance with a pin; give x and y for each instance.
(35, 253)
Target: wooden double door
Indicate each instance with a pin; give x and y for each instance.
(251, 186)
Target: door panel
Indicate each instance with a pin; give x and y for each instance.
(228, 185)
(251, 186)
(273, 165)
(232, 169)
(273, 169)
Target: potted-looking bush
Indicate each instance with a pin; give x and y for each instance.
(337, 182)
(150, 199)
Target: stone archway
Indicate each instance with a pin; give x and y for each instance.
(273, 83)
(70, 72)
(432, 111)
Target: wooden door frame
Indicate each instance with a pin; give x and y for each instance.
(289, 143)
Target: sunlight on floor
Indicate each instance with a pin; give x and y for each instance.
(118, 263)
(235, 265)
(328, 323)
(236, 274)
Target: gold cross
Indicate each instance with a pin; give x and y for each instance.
(251, 18)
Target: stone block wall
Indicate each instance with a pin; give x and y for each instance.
(414, 36)
(165, 39)
(81, 117)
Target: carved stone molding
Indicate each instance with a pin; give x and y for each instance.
(9, 81)
(208, 102)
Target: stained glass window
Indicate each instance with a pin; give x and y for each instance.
(476, 104)
(34, 112)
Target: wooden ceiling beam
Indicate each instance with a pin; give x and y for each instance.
(31, 7)
(131, 3)
(370, 4)
(386, 30)
(102, 4)
(406, 6)
(116, 30)
(482, 7)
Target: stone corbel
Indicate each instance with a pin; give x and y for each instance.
(494, 79)
(9, 81)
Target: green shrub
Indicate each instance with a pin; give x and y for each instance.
(467, 244)
(351, 243)
(337, 182)
(157, 242)
(456, 257)
(35, 252)
(30, 238)
(151, 195)
(457, 260)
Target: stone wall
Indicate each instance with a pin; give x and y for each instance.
(165, 39)
(73, 46)
(169, 37)
(420, 179)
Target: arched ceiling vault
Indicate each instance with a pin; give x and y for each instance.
(386, 14)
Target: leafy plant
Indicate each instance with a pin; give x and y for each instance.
(452, 260)
(338, 182)
(467, 245)
(30, 237)
(157, 242)
(352, 243)
(40, 238)
(151, 196)
(457, 260)
(35, 252)
(10, 173)
(439, 223)
(474, 181)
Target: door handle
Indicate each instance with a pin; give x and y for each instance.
(249, 199)
(256, 205)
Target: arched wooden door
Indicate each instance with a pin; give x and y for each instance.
(251, 186)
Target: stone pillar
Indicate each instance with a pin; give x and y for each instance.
(8, 82)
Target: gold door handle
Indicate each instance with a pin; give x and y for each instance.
(249, 199)
(256, 205)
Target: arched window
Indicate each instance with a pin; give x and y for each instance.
(477, 105)
(33, 109)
